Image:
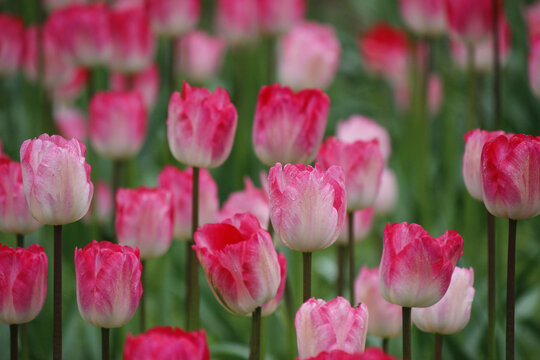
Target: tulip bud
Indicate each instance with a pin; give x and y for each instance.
(388, 193)
(251, 200)
(359, 127)
(71, 122)
(11, 43)
(173, 17)
(424, 17)
(469, 20)
(145, 82)
(278, 16)
(199, 55)
(236, 20)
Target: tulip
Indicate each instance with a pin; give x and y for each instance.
(146, 82)
(270, 306)
(322, 326)
(236, 20)
(103, 205)
(359, 127)
(278, 16)
(424, 17)
(388, 193)
(164, 342)
(302, 116)
(201, 126)
(469, 20)
(11, 43)
(251, 200)
(67, 91)
(534, 66)
(71, 122)
(57, 4)
(173, 17)
(532, 18)
(368, 354)
(309, 56)
(363, 220)
(199, 55)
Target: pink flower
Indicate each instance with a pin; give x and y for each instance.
(146, 82)
(368, 354)
(108, 283)
(102, 205)
(511, 176)
(322, 326)
(56, 179)
(240, 263)
(384, 317)
(251, 200)
(308, 56)
(118, 122)
(416, 268)
(424, 17)
(236, 20)
(388, 193)
(201, 126)
(15, 217)
(270, 306)
(11, 43)
(451, 314)
(23, 283)
(173, 17)
(307, 205)
(302, 116)
(71, 88)
(57, 4)
(199, 55)
(534, 66)
(278, 16)
(144, 219)
(363, 219)
(362, 164)
(180, 184)
(359, 127)
(469, 20)
(71, 122)
(532, 18)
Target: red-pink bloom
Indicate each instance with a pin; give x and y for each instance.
(362, 164)
(363, 220)
(388, 193)
(424, 17)
(201, 126)
(534, 66)
(71, 87)
(199, 55)
(302, 116)
(23, 283)
(108, 283)
(532, 17)
(252, 200)
(236, 20)
(307, 205)
(166, 343)
(118, 122)
(278, 16)
(57, 4)
(358, 127)
(180, 184)
(240, 263)
(56, 179)
(144, 219)
(270, 306)
(469, 20)
(368, 354)
(511, 176)
(146, 82)
(71, 122)
(384, 317)
(416, 268)
(322, 326)
(11, 43)
(308, 56)
(173, 17)
(15, 217)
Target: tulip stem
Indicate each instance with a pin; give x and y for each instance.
(57, 306)
(142, 302)
(350, 215)
(438, 346)
(14, 343)
(406, 316)
(105, 352)
(491, 285)
(306, 257)
(24, 341)
(341, 249)
(471, 78)
(496, 66)
(192, 273)
(20, 240)
(255, 346)
(385, 344)
(510, 289)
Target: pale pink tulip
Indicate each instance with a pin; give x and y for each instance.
(424, 17)
(173, 17)
(252, 200)
(358, 127)
(71, 122)
(199, 55)
(146, 82)
(388, 193)
(236, 20)
(278, 16)
(270, 306)
(11, 43)
(363, 220)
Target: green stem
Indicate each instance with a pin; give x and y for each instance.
(57, 294)
(291, 312)
(472, 89)
(255, 346)
(341, 250)
(385, 342)
(24, 341)
(306, 262)
(14, 343)
(350, 233)
(142, 302)
(491, 285)
(105, 349)
(192, 273)
(438, 346)
(510, 289)
(171, 62)
(20, 240)
(406, 317)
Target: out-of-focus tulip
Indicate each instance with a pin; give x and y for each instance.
(251, 200)
(363, 219)
(173, 17)
(534, 66)
(362, 163)
(165, 343)
(56, 179)
(307, 205)
(511, 176)
(180, 184)
(435, 94)
(240, 263)
(57, 4)
(117, 123)
(388, 193)
(103, 204)
(278, 16)
(23, 285)
(359, 127)
(451, 314)
(15, 217)
(236, 20)
(12, 39)
(308, 56)
(532, 17)
(416, 268)
(469, 20)
(270, 306)
(146, 82)
(108, 283)
(71, 122)
(368, 354)
(424, 17)
(199, 55)
(322, 326)
(67, 91)
(201, 126)
(384, 317)
(144, 219)
(302, 116)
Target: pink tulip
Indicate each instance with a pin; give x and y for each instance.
(180, 183)
(384, 317)
(201, 126)
(15, 217)
(322, 326)
(416, 268)
(56, 179)
(173, 17)
(71, 122)
(165, 343)
(11, 43)
(388, 193)
(236, 20)
(368, 354)
(309, 56)
(532, 18)
(362, 164)
(359, 127)
(118, 122)
(199, 55)
(451, 314)
(270, 306)
(302, 116)
(23, 283)
(469, 20)
(534, 66)
(240, 263)
(57, 4)
(108, 283)
(72, 87)
(278, 16)
(251, 200)
(146, 82)
(363, 220)
(511, 176)
(307, 205)
(144, 219)
(102, 205)
(424, 17)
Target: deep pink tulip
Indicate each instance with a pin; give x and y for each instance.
(251, 200)
(469, 20)
(23, 283)
(358, 127)
(362, 163)
(322, 326)
(56, 179)
(201, 126)
(451, 314)
(534, 65)
(302, 116)
(415, 267)
(368, 354)
(278, 16)
(388, 193)
(236, 20)
(180, 184)
(11, 43)
(424, 17)
(270, 306)
(309, 56)
(144, 219)
(511, 176)
(199, 55)
(363, 220)
(384, 317)
(118, 122)
(173, 17)
(71, 122)
(165, 343)
(72, 87)
(57, 4)
(108, 283)
(146, 82)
